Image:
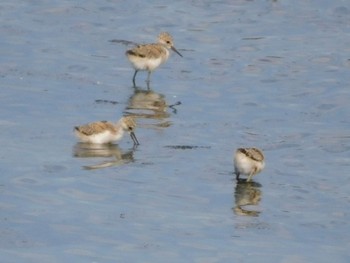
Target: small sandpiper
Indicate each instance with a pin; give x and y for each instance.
(150, 56)
(248, 161)
(102, 132)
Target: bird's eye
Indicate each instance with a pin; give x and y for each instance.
(168, 42)
(130, 128)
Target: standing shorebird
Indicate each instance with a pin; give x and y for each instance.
(101, 132)
(150, 56)
(248, 161)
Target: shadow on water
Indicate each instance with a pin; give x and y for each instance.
(148, 104)
(247, 197)
(117, 156)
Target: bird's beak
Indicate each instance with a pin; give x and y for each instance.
(133, 137)
(175, 50)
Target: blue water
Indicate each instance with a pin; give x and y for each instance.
(270, 74)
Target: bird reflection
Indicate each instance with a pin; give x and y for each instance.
(247, 195)
(147, 104)
(118, 157)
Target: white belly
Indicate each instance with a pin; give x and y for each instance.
(101, 138)
(148, 64)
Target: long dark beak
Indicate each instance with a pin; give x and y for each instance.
(175, 50)
(133, 137)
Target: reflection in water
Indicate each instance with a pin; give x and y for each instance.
(147, 104)
(247, 194)
(86, 150)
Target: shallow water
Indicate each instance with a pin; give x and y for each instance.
(271, 74)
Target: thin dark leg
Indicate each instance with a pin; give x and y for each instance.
(133, 78)
(148, 79)
(237, 177)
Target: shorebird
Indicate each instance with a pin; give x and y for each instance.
(150, 56)
(248, 161)
(102, 132)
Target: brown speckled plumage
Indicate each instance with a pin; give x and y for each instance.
(253, 153)
(96, 127)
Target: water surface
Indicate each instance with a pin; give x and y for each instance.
(270, 74)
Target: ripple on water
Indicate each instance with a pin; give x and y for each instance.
(79, 194)
(334, 143)
(10, 238)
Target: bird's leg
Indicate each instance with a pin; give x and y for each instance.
(237, 176)
(133, 78)
(148, 79)
(250, 177)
